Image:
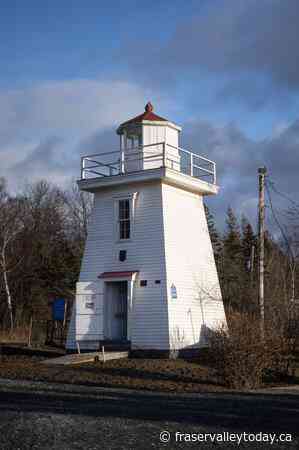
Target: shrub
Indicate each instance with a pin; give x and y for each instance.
(243, 360)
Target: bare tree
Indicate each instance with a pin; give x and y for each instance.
(293, 244)
(79, 210)
(11, 224)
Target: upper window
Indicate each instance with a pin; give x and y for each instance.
(124, 219)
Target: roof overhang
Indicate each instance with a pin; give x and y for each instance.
(118, 276)
(163, 174)
(153, 123)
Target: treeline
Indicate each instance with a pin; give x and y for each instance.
(42, 235)
(252, 352)
(236, 256)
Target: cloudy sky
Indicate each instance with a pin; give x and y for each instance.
(227, 71)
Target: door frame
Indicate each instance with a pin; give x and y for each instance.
(130, 303)
(116, 329)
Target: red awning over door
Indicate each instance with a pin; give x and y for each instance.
(127, 274)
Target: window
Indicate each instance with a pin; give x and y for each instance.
(124, 207)
(124, 219)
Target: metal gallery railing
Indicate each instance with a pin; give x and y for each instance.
(146, 157)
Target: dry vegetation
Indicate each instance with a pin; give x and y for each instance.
(243, 360)
(230, 364)
(19, 334)
(156, 375)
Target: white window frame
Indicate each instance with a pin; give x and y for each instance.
(126, 222)
(132, 205)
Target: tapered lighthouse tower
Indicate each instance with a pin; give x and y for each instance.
(148, 276)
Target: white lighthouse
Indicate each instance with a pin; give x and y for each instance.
(148, 278)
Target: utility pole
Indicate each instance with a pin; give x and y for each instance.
(262, 173)
(252, 251)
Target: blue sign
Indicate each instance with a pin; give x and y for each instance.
(173, 291)
(58, 308)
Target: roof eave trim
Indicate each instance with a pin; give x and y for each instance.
(158, 123)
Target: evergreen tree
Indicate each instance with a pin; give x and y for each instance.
(250, 276)
(248, 244)
(232, 237)
(233, 263)
(214, 235)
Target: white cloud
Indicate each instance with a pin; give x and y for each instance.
(45, 128)
(66, 108)
(66, 113)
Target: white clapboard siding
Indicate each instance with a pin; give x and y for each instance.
(170, 243)
(145, 253)
(190, 268)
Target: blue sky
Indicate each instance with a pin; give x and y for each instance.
(226, 70)
(84, 39)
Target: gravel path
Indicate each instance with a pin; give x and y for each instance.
(48, 416)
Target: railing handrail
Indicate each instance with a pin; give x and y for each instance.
(190, 153)
(137, 152)
(118, 151)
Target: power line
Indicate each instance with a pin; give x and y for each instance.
(285, 196)
(277, 221)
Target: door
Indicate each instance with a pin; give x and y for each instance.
(117, 310)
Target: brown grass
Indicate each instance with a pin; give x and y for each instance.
(146, 374)
(19, 335)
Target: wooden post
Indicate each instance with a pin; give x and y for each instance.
(65, 313)
(262, 172)
(30, 331)
(62, 335)
(252, 251)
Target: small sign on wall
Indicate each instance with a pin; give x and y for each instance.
(89, 305)
(173, 291)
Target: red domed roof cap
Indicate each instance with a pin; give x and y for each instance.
(149, 107)
(147, 115)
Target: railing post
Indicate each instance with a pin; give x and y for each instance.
(123, 145)
(122, 161)
(164, 154)
(191, 164)
(82, 168)
(214, 169)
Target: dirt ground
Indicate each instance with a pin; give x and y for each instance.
(147, 374)
(164, 375)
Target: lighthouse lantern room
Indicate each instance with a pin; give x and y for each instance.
(148, 278)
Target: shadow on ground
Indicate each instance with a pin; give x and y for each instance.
(252, 412)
